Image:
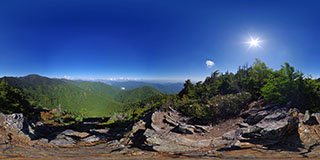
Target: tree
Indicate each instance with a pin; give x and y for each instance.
(283, 86)
(12, 100)
(188, 89)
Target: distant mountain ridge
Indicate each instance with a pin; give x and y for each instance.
(137, 94)
(100, 99)
(167, 88)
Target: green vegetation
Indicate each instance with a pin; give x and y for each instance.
(284, 86)
(99, 99)
(13, 101)
(49, 93)
(167, 88)
(137, 94)
(221, 96)
(218, 108)
(224, 95)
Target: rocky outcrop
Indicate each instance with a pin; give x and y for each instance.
(63, 140)
(312, 119)
(267, 126)
(169, 132)
(261, 133)
(15, 127)
(277, 124)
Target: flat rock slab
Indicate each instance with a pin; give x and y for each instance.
(70, 132)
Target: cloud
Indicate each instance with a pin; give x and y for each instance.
(209, 63)
(68, 77)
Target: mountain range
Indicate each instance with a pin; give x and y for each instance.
(98, 98)
(167, 88)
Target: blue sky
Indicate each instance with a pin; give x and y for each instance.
(160, 39)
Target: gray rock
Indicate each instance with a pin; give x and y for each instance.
(170, 121)
(278, 124)
(62, 140)
(251, 112)
(306, 116)
(17, 124)
(152, 137)
(243, 125)
(231, 135)
(310, 119)
(43, 140)
(93, 138)
(317, 116)
(255, 118)
(184, 129)
(100, 131)
(15, 121)
(73, 133)
(161, 144)
(140, 125)
(115, 145)
(201, 129)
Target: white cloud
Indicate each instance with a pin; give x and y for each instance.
(68, 77)
(209, 63)
(123, 88)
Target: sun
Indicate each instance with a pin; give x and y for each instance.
(254, 42)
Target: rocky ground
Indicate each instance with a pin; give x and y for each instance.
(272, 132)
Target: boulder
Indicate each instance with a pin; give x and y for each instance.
(310, 119)
(184, 129)
(99, 131)
(277, 124)
(255, 116)
(93, 138)
(62, 140)
(201, 129)
(162, 144)
(169, 121)
(17, 125)
(317, 116)
(115, 145)
(73, 133)
(152, 137)
(140, 125)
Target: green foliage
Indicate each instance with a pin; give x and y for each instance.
(67, 117)
(12, 100)
(138, 109)
(71, 95)
(217, 108)
(281, 86)
(284, 85)
(167, 88)
(288, 85)
(136, 94)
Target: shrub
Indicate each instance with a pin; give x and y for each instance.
(220, 107)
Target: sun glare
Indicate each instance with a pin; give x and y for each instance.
(254, 42)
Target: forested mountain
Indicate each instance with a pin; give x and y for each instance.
(168, 88)
(96, 87)
(95, 97)
(137, 94)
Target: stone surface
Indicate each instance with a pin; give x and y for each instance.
(70, 132)
(93, 138)
(306, 116)
(277, 124)
(312, 119)
(184, 129)
(317, 116)
(16, 125)
(99, 131)
(62, 140)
